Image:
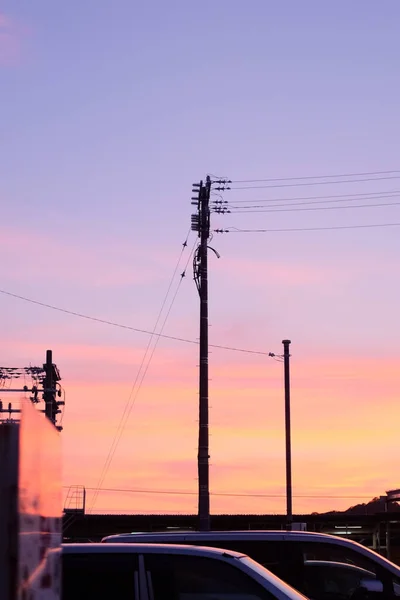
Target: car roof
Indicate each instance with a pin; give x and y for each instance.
(249, 535)
(252, 535)
(121, 548)
(230, 533)
(246, 534)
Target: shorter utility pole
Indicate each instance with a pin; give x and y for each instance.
(286, 364)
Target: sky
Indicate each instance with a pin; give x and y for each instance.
(109, 112)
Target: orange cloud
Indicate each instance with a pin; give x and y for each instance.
(345, 419)
(337, 446)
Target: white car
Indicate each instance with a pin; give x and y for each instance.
(166, 572)
(288, 554)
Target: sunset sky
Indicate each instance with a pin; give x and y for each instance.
(109, 112)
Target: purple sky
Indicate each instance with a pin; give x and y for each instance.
(110, 110)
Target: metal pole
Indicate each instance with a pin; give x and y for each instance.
(388, 549)
(286, 360)
(387, 533)
(203, 448)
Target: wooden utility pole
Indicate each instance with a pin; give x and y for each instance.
(201, 223)
(286, 364)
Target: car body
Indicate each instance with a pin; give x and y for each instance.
(166, 572)
(286, 553)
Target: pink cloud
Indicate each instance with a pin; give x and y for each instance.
(10, 41)
(259, 272)
(294, 273)
(102, 265)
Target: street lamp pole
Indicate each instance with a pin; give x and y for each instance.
(286, 364)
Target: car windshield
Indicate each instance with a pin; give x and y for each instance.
(281, 585)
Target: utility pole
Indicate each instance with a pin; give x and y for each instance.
(49, 388)
(44, 379)
(286, 364)
(201, 224)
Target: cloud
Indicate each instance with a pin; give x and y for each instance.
(275, 272)
(338, 446)
(48, 258)
(10, 41)
(236, 487)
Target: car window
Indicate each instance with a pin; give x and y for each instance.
(282, 559)
(268, 554)
(337, 553)
(341, 554)
(180, 577)
(333, 582)
(99, 576)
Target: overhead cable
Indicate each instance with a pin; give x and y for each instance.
(128, 327)
(308, 208)
(291, 229)
(129, 403)
(312, 183)
(303, 177)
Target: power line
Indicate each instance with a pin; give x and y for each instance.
(128, 327)
(316, 177)
(289, 229)
(275, 210)
(133, 396)
(311, 183)
(304, 201)
(228, 494)
(123, 512)
(360, 195)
